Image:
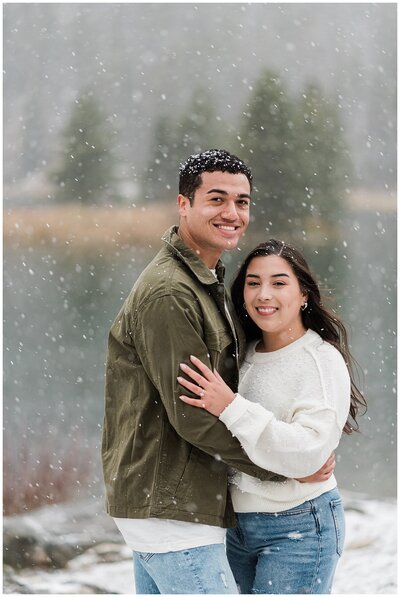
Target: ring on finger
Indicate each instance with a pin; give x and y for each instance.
(202, 393)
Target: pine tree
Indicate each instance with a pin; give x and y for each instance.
(194, 130)
(324, 161)
(267, 143)
(85, 172)
(160, 179)
(326, 171)
(198, 126)
(299, 159)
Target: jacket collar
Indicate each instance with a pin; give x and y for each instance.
(176, 245)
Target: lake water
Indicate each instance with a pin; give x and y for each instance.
(58, 308)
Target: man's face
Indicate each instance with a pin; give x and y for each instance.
(218, 216)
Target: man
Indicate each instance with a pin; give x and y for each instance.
(165, 463)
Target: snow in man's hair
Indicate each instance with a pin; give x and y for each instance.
(211, 160)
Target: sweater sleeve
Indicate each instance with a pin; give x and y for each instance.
(299, 446)
(163, 342)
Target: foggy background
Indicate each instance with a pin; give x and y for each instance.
(101, 102)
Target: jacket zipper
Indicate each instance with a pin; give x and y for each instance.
(229, 318)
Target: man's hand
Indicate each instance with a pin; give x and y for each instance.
(324, 472)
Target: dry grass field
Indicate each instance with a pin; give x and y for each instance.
(80, 227)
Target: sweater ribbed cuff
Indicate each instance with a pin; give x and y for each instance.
(234, 411)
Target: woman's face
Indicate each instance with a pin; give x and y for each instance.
(273, 297)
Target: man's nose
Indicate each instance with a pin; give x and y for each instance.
(229, 210)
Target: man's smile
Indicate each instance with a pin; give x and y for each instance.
(227, 227)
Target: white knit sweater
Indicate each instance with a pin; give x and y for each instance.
(289, 415)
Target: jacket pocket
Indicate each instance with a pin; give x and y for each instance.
(218, 341)
(175, 459)
(187, 475)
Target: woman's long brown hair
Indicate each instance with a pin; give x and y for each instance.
(315, 317)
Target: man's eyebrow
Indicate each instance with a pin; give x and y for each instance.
(222, 192)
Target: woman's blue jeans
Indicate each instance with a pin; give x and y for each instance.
(295, 551)
(200, 570)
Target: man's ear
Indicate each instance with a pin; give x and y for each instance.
(184, 204)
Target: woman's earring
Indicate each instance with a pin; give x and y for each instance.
(304, 307)
(245, 308)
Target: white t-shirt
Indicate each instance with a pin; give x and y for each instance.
(289, 415)
(158, 535)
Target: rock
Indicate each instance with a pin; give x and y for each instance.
(23, 545)
(11, 584)
(72, 588)
(60, 553)
(53, 536)
(105, 553)
(85, 589)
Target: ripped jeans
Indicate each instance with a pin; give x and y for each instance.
(199, 570)
(294, 551)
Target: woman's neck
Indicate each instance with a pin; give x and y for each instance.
(271, 342)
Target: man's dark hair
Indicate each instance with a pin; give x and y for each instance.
(212, 160)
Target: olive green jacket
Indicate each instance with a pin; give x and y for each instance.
(161, 457)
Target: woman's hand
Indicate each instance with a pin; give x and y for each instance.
(214, 394)
(323, 473)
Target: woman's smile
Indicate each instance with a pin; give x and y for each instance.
(267, 310)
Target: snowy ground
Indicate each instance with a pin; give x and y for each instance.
(368, 564)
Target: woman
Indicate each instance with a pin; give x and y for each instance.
(296, 396)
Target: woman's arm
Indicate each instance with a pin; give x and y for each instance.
(160, 361)
(295, 449)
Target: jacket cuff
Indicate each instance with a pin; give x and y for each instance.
(234, 411)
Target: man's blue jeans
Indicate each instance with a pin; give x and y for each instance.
(295, 551)
(200, 570)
